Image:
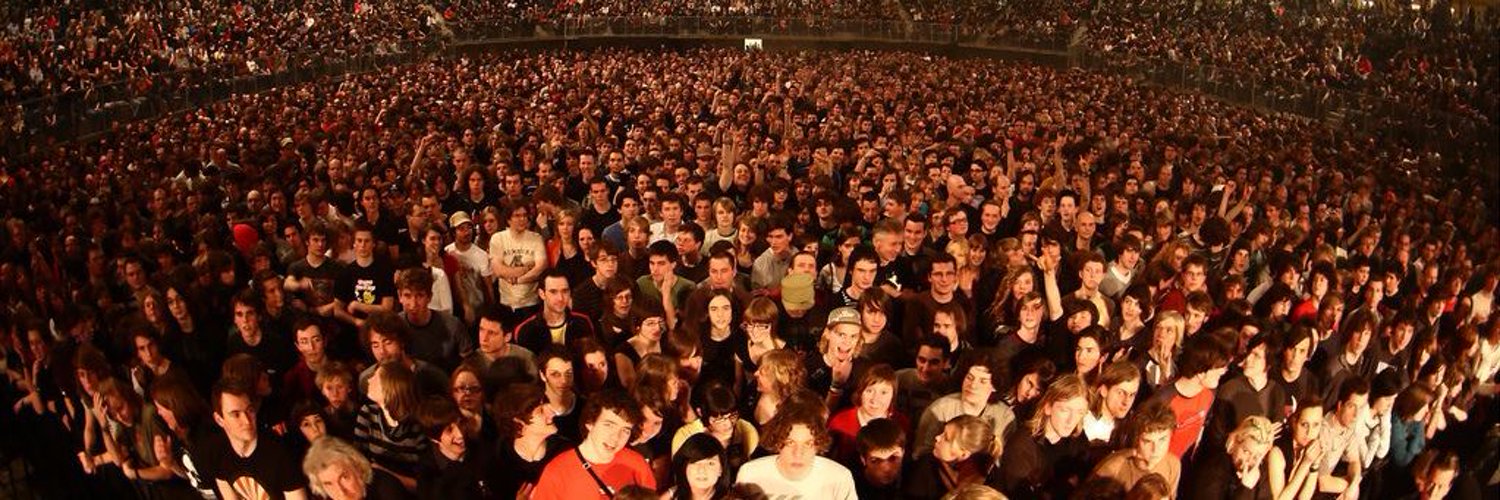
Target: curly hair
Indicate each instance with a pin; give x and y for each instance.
(329, 451)
(779, 428)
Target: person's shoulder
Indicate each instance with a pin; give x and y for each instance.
(757, 468)
(832, 471)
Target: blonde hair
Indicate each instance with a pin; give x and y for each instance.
(785, 370)
(1253, 429)
(1174, 321)
(329, 451)
(1064, 388)
(975, 434)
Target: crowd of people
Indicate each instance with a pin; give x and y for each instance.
(50, 48)
(595, 274)
(1426, 59)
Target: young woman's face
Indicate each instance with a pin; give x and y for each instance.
(1130, 308)
(704, 474)
(876, 399)
(1023, 285)
(312, 427)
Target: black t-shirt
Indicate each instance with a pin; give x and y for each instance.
(514, 471)
(367, 284)
(324, 278)
(268, 473)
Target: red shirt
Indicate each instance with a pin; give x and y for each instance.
(844, 426)
(1192, 414)
(565, 479)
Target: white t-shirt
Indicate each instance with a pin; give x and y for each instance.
(826, 481)
(442, 291)
(523, 250)
(477, 261)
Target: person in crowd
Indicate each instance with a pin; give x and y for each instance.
(698, 471)
(386, 427)
(436, 336)
(978, 395)
(601, 464)
(798, 435)
(1151, 431)
(246, 462)
(454, 466)
(555, 324)
(1237, 471)
(718, 415)
(336, 470)
(961, 455)
(1046, 457)
(881, 445)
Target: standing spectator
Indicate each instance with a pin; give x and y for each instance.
(518, 256)
(475, 278)
(368, 285)
(555, 325)
(600, 465)
(1045, 458)
(337, 471)
(245, 462)
(437, 336)
(1151, 432)
(797, 436)
(1200, 366)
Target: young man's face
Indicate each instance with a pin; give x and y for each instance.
(606, 265)
(384, 348)
(236, 415)
(1153, 446)
(310, 342)
(882, 467)
(414, 301)
(491, 336)
(671, 212)
(555, 294)
(797, 453)
(661, 266)
(364, 244)
(778, 240)
(930, 364)
(610, 433)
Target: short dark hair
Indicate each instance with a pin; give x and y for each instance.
(1200, 355)
(614, 401)
(665, 249)
(694, 230)
(390, 326)
(435, 414)
(880, 434)
(1351, 387)
(231, 387)
(936, 341)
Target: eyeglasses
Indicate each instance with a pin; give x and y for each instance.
(757, 326)
(468, 389)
